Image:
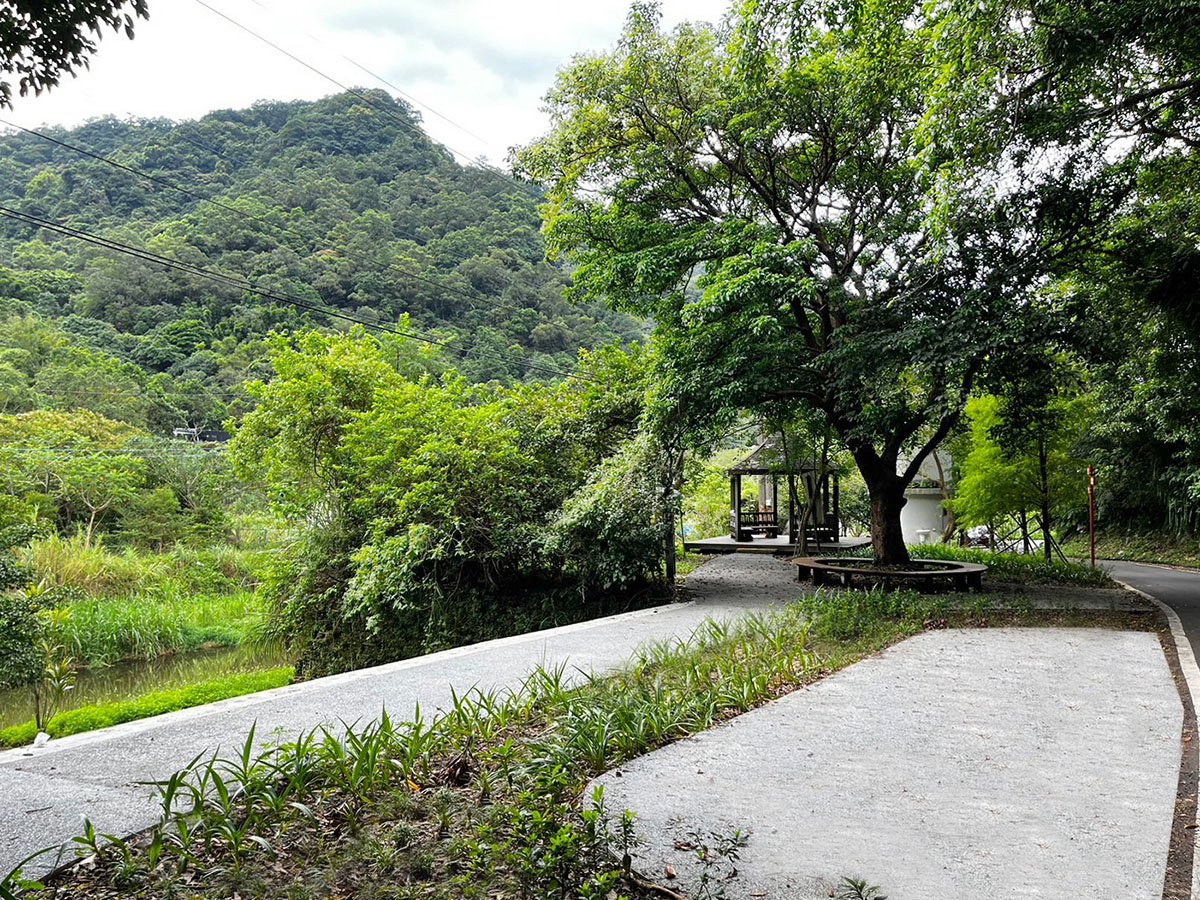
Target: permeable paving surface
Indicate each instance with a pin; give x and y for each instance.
(1008, 762)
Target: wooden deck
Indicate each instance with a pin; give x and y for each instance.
(726, 544)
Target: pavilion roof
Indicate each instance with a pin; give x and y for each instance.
(775, 457)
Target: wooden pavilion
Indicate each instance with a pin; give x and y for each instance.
(773, 461)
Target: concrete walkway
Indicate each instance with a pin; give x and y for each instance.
(974, 765)
(45, 794)
(946, 762)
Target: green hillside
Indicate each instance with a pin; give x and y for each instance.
(343, 204)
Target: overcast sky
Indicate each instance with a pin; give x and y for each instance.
(485, 64)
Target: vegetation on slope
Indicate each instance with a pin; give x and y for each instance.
(341, 203)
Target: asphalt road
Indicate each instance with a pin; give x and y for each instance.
(1177, 588)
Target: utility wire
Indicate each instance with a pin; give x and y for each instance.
(257, 219)
(512, 182)
(478, 302)
(181, 452)
(407, 96)
(244, 284)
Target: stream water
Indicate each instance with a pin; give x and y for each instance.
(127, 681)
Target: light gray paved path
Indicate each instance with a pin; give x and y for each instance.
(974, 765)
(45, 794)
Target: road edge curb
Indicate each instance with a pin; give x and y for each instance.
(1191, 677)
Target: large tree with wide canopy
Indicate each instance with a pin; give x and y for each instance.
(777, 194)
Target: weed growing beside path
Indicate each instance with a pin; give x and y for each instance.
(484, 800)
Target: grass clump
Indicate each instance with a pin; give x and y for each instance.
(102, 631)
(89, 718)
(484, 799)
(137, 605)
(1152, 547)
(94, 568)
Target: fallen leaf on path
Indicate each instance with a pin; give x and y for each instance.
(669, 871)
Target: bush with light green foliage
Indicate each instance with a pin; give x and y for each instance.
(441, 512)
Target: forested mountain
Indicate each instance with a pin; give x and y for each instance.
(343, 205)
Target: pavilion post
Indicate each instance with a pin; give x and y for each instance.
(837, 509)
(733, 507)
(792, 533)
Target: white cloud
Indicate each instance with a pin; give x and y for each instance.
(480, 63)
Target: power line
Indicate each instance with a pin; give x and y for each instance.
(180, 451)
(407, 96)
(476, 300)
(363, 97)
(175, 186)
(275, 296)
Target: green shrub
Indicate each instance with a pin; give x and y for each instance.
(153, 519)
(610, 533)
(12, 573)
(1018, 567)
(20, 658)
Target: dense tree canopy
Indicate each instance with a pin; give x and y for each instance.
(342, 204)
(774, 195)
(1121, 76)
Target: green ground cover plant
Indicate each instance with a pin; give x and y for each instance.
(1153, 547)
(486, 799)
(89, 718)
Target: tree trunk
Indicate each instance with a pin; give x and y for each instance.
(670, 552)
(672, 493)
(886, 491)
(1044, 490)
(887, 538)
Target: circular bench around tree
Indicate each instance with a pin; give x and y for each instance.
(822, 570)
